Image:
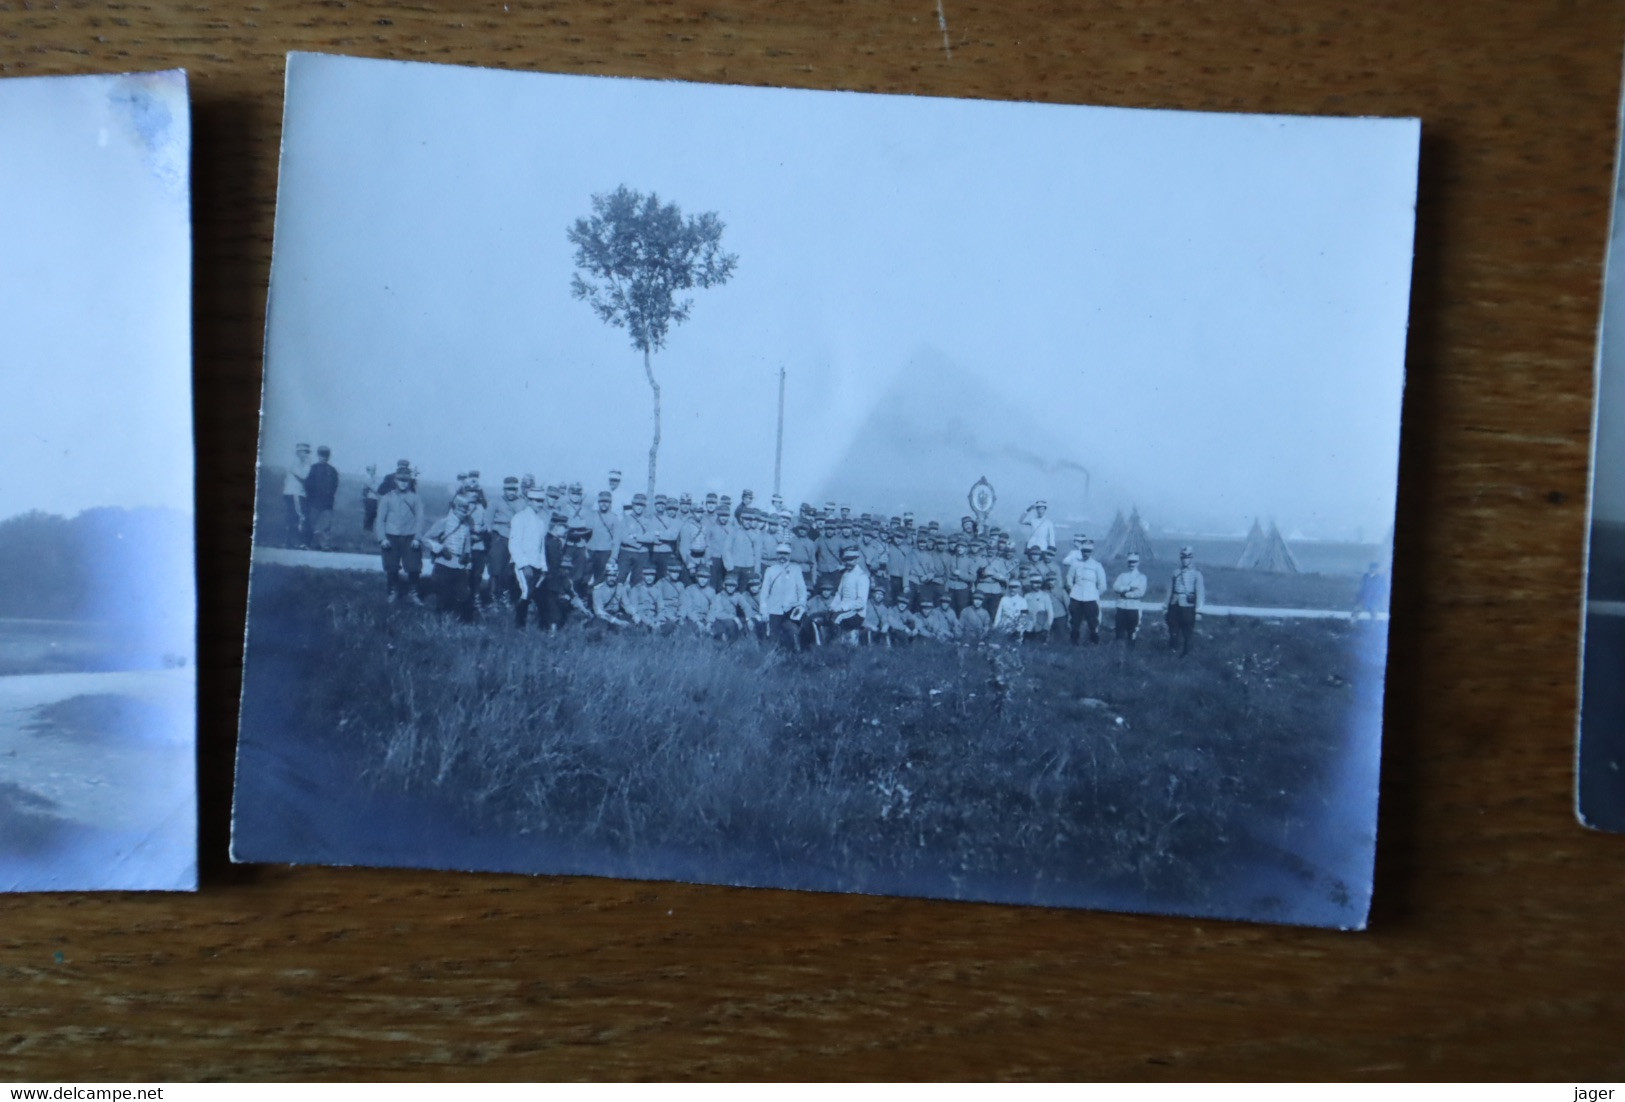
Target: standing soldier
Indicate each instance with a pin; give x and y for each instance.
(451, 541)
(293, 496)
(1129, 588)
(738, 549)
(400, 522)
(803, 552)
(605, 538)
(827, 553)
(321, 491)
(1086, 582)
(617, 498)
(500, 521)
(784, 598)
(636, 538)
(1186, 596)
(1042, 535)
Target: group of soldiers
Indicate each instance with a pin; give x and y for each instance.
(729, 569)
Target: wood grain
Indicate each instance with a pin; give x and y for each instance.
(1495, 948)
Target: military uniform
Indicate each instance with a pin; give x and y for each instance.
(1186, 596)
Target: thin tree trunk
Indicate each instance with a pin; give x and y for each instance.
(654, 446)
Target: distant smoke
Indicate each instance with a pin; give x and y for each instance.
(959, 436)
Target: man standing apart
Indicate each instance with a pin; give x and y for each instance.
(1186, 596)
(400, 521)
(293, 496)
(321, 490)
(1129, 588)
(1085, 584)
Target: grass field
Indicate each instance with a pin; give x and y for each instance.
(1048, 774)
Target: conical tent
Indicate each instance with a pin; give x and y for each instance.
(1106, 550)
(1135, 541)
(1254, 546)
(1272, 555)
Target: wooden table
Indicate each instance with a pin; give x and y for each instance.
(1496, 945)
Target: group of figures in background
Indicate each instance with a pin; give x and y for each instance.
(731, 569)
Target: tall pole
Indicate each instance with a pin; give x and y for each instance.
(778, 449)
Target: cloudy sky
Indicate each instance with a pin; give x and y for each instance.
(95, 293)
(1205, 312)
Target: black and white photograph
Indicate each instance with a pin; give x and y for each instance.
(974, 500)
(1600, 788)
(98, 605)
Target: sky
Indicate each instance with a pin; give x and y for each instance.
(1205, 312)
(95, 293)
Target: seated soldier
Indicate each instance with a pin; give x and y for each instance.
(974, 622)
(730, 612)
(696, 606)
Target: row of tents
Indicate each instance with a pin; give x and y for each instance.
(1263, 550)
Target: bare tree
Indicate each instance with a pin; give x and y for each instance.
(634, 256)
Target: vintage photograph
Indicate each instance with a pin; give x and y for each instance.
(963, 499)
(1600, 788)
(98, 608)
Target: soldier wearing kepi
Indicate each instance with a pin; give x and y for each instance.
(851, 596)
(1085, 583)
(399, 524)
(451, 541)
(1128, 589)
(321, 490)
(606, 536)
(784, 599)
(1043, 528)
(527, 556)
(500, 518)
(1186, 596)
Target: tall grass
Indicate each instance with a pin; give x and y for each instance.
(1089, 766)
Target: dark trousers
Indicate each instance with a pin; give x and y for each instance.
(783, 630)
(535, 594)
(1181, 627)
(500, 562)
(1081, 613)
(399, 555)
(1127, 625)
(453, 593)
(476, 573)
(632, 562)
(600, 566)
(959, 599)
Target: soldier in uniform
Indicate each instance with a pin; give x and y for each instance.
(636, 538)
(730, 612)
(1186, 596)
(668, 599)
(936, 622)
(1086, 581)
(527, 557)
(606, 598)
(639, 600)
(293, 496)
(451, 541)
(606, 536)
(1043, 529)
(696, 606)
(974, 622)
(738, 550)
(1129, 588)
(500, 520)
(617, 498)
(784, 598)
(400, 522)
(851, 596)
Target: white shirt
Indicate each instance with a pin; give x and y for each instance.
(1088, 580)
(783, 588)
(1130, 585)
(527, 540)
(1043, 534)
(853, 593)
